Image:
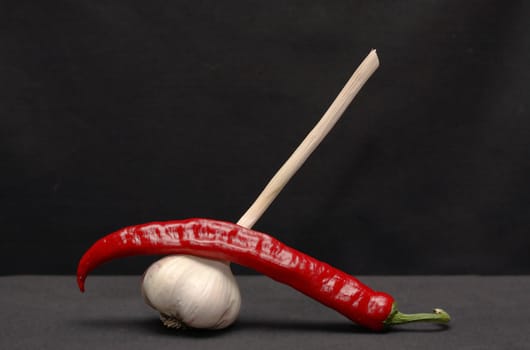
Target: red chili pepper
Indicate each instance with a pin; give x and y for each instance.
(261, 252)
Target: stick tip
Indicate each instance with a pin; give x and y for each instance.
(373, 54)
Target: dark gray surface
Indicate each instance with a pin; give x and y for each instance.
(48, 312)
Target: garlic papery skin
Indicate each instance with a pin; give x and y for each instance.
(193, 292)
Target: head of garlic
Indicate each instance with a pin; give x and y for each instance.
(193, 292)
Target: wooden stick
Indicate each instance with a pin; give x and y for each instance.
(311, 141)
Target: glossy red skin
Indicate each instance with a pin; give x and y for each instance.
(261, 252)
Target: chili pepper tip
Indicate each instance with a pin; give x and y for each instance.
(81, 283)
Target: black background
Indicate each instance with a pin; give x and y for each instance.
(120, 112)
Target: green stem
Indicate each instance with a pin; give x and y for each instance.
(396, 317)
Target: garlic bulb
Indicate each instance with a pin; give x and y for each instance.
(192, 291)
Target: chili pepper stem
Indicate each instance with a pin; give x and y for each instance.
(396, 317)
